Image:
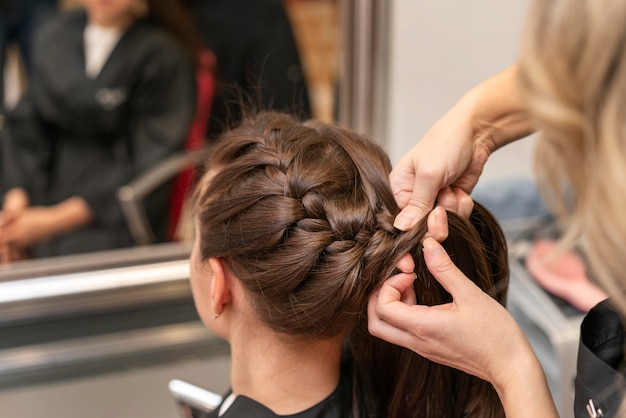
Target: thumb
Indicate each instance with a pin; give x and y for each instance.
(420, 204)
(444, 270)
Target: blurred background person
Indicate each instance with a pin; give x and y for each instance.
(257, 57)
(112, 93)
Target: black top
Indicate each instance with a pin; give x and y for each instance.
(257, 57)
(337, 405)
(71, 135)
(601, 374)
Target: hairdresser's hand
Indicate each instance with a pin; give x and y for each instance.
(474, 333)
(469, 333)
(444, 167)
(449, 159)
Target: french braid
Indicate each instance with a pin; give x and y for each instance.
(302, 214)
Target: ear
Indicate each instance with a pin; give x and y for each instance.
(220, 290)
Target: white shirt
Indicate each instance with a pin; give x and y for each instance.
(99, 42)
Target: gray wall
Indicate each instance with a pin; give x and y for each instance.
(439, 50)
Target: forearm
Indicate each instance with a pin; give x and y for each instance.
(495, 111)
(69, 215)
(523, 390)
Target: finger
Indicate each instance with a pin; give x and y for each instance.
(408, 296)
(420, 203)
(402, 180)
(448, 199)
(394, 287)
(408, 326)
(445, 271)
(384, 330)
(437, 224)
(396, 327)
(412, 214)
(465, 203)
(6, 217)
(11, 236)
(406, 264)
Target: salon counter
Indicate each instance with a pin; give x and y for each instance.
(80, 315)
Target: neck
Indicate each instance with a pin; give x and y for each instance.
(118, 22)
(285, 377)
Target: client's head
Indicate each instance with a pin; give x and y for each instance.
(295, 211)
(301, 214)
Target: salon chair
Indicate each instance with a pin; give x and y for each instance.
(180, 169)
(132, 195)
(192, 400)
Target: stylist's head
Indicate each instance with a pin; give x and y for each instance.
(573, 77)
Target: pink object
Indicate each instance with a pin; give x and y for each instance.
(183, 183)
(563, 274)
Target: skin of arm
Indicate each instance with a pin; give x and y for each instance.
(473, 333)
(451, 155)
(34, 224)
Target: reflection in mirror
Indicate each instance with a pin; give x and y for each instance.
(64, 320)
(93, 193)
(363, 66)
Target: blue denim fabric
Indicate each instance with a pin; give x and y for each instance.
(19, 20)
(512, 198)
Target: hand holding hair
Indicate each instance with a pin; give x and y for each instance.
(441, 167)
(444, 166)
(473, 333)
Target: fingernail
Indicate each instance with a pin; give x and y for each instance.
(439, 215)
(402, 222)
(431, 246)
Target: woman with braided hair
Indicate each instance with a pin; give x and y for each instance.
(294, 231)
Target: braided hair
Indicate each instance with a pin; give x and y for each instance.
(302, 214)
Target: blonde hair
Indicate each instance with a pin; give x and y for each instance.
(573, 79)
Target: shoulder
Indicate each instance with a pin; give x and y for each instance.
(155, 40)
(62, 23)
(57, 36)
(157, 52)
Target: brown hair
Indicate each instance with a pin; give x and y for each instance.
(174, 17)
(302, 214)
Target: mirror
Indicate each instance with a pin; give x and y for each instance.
(288, 67)
(79, 327)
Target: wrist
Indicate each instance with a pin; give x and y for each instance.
(71, 214)
(495, 111)
(523, 383)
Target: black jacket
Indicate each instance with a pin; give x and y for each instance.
(601, 374)
(71, 135)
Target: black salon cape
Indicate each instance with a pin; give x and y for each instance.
(75, 136)
(601, 370)
(337, 405)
